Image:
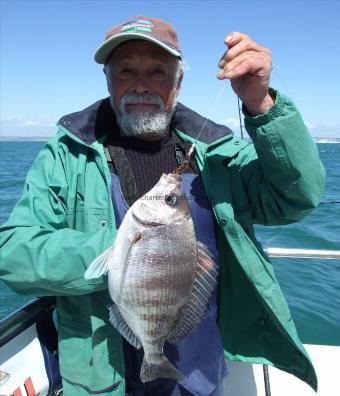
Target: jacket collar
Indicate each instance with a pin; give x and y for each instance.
(92, 123)
(98, 120)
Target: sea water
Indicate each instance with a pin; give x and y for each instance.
(311, 286)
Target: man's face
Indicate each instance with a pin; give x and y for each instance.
(143, 85)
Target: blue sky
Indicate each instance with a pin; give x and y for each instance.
(47, 47)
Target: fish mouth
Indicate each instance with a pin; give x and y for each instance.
(173, 177)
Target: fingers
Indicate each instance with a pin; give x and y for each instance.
(249, 62)
(253, 66)
(237, 43)
(242, 50)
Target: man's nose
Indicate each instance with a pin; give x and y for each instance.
(142, 86)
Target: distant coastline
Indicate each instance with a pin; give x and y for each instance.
(45, 138)
(24, 138)
(326, 140)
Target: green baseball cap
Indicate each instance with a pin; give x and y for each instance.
(140, 27)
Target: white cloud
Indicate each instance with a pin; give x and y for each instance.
(316, 130)
(30, 123)
(232, 123)
(45, 125)
(11, 119)
(323, 130)
(19, 125)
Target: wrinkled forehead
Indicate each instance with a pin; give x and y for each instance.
(139, 49)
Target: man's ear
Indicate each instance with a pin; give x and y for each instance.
(179, 82)
(106, 76)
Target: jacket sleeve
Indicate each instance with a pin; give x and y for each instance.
(39, 254)
(282, 173)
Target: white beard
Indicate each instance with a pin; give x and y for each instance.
(151, 123)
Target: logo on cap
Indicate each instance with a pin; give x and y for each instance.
(137, 25)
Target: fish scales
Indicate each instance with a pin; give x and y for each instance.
(158, 298)
(160, 278)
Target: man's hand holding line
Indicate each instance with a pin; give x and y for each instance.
(247, 65)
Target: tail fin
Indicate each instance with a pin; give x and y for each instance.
(164, 369)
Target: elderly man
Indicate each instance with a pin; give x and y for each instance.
(107, 156)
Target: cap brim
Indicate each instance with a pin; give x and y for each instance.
(103, 52)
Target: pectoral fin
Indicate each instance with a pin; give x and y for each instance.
(100, 266)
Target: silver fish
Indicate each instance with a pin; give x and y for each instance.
(160, 278)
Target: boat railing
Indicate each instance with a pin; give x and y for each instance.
(23, 317)
(303, 253)
(30, 312)
(39, 311)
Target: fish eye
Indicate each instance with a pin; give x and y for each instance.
(171, 199)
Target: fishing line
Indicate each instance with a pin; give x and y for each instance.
(282, 81)
(239, 115)
(184, 166)
(211, 110)
(278, 234)
(190, 152)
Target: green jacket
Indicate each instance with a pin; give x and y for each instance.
(65, 219)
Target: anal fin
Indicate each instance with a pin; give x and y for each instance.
(120, 324)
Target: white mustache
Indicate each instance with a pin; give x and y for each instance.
(130, 98)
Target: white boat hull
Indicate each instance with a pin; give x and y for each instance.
(247, 379)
